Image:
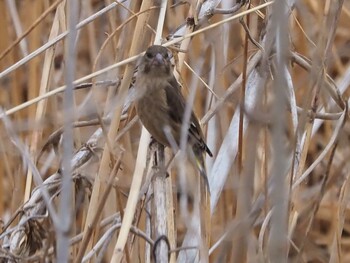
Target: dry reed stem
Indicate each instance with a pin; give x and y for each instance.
(140, 161)
(247, 218)
(160, 180)
(44, 87)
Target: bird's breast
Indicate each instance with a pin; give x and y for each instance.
(153, 111)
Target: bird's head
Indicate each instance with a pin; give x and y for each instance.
(156, 61)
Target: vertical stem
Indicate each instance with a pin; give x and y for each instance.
(277, 240)
(65, 212)
(160, 210)
(239, 253)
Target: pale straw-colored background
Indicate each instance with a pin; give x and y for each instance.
(272, 96)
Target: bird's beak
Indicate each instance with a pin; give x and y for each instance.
(158, 60)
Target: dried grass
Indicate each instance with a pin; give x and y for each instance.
(272, 93)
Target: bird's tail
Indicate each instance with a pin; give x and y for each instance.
(198, 157)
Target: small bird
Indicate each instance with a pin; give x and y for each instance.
(161, 105)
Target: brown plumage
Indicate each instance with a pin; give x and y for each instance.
(161, 104)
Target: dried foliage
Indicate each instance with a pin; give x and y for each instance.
(80, 180)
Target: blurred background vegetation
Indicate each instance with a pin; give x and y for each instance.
(270, 83)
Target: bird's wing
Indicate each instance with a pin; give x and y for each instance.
(176, 109)
(175, 101)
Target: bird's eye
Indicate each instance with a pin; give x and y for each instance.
(149, 55)
(169, 55)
